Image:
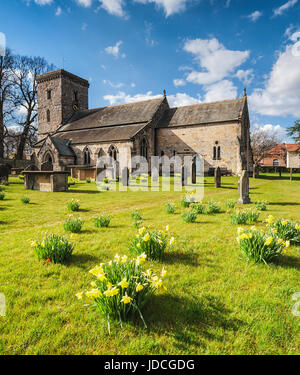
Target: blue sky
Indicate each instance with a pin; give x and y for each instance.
(198, 50)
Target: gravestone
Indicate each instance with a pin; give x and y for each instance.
(4, 172)
(194, 177)
(218, 177)
(125, 176)
(243, 188)
(183, 176)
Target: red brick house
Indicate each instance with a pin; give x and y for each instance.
(278, 155)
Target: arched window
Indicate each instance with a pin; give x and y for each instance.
(75, 96)
(275, 163)
(162, 157)
(144, 149)
(112, 152)
(48, 115)
(87, 156)
(215, 153)
(219, 152)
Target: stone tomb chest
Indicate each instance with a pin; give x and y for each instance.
(46, 180)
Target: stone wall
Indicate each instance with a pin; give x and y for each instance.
(201, 139)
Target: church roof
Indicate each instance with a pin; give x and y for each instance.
(62, 146)
(204, 113)
(101, 134)
(123, 114)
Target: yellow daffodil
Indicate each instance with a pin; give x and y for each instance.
(284, 222)
(101, 276)
(146, 238)
(274, 230)
(79, 295)
(124, 259)
(172, 240)
(148, 273)
(297, 226)
(142, 230)
(138, 245)
(94, 293)
(139, 287)
(280, 241)
(123, 284)
(43, 243)
(167, 228)
(111, 292)
(93, 284)
(163, 272)
(33, 243)
(287, 244)
(240, 230)
(269, 241)
(109, 285)
(126, 299)
(117, 258)
(253, 228)
(270, 219)
(159, 241)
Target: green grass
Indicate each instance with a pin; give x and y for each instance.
(215, 303)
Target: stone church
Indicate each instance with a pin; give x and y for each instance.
(72, 137)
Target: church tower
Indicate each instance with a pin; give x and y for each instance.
(60, 94)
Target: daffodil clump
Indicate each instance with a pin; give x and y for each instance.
(285, 229)
(73, 224)
(102, 221)
(136, 215)
(53, 248)
(242, 217)
(213, 207)
(151, 243)
(25, 200)
(261, 206)
(122, 287)
(73, 205)
(230, 205)
(189, 216)
(2, 196)
(170, 208)
(258, 247)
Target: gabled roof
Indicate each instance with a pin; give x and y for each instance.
(204, 113)
(62, 146)
(282, 148)
(101, 134)
(123, 114)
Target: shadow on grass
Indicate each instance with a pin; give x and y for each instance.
(3, 222)
(262, 177)
(287, 261)
(80, 260)
(283, 204)
(83, 191)
(174, 257)
(190, 319)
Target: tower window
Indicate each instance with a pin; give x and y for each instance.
(75, 96)
(87, 157)
(48, 115)
(48, 94)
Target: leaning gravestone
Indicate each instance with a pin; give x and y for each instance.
(218, 177)
(4, 172)
(244, 188)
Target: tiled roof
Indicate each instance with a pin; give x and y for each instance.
(123, 114)
(204, 113)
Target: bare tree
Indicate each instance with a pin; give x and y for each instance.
(25, 72)
(261, 142)
(6, 95)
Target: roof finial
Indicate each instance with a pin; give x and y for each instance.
(165, 93)
(245, 92)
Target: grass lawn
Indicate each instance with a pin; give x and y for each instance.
(215, 303)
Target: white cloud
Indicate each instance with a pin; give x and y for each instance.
(246, 76)
(169, 6)
(43, 2)
(216, 61)
(115, 50)
(279, 11)
(58, 11)
(132, 84)
(255, 16)
(113, 85)
(220, 91)
(177, 100)
(182, 99)
(114, 7)
(178, 82)
(281, 94)
(85, 3)
(271, 129)
(84, 26)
